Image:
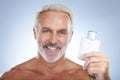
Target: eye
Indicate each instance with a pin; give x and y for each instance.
(62, 32)
(45, 30)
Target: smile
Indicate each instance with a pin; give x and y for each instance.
(52, 48)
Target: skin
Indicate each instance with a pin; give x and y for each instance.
(63, 69)
(53, 30)
(97, 65)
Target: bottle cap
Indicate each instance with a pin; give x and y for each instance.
(91, 35)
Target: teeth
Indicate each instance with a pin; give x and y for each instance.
(52, 48)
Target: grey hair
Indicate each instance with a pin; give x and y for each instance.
(59, 8)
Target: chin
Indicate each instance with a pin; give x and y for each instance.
(53, 59)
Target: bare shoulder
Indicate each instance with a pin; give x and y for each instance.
(27, 71)
(77, 71)
(72, 65)
(19, 72)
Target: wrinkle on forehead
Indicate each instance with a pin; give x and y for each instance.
(54, 19)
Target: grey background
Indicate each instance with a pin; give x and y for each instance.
(17, 19)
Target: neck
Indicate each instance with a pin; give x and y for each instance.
(54, 67)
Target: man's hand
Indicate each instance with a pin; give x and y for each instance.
(97, 65)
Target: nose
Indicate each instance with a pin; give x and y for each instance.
(54, 38)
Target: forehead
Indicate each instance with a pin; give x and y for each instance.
(54, 19)
(53, 13)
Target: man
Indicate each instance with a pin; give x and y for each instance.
(53, 31)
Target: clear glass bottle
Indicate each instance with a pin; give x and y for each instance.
(89, 44)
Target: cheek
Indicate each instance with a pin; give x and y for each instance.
(43, 39)
(64, 40)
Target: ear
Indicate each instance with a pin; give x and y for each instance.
(35, 32)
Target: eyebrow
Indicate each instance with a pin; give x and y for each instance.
(45, 28)
(64, 29)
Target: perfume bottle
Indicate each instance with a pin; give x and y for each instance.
(89, 44)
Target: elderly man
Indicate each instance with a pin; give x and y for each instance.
(53, 31)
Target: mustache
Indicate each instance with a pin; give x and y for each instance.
(52, 45)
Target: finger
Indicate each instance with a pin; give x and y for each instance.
(92, 71)
(102, 66)
(89, 69)
(93, 54)
(96, 71)
(95, 60)
(94, 65)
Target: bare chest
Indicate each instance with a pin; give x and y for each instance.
(59, 76)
